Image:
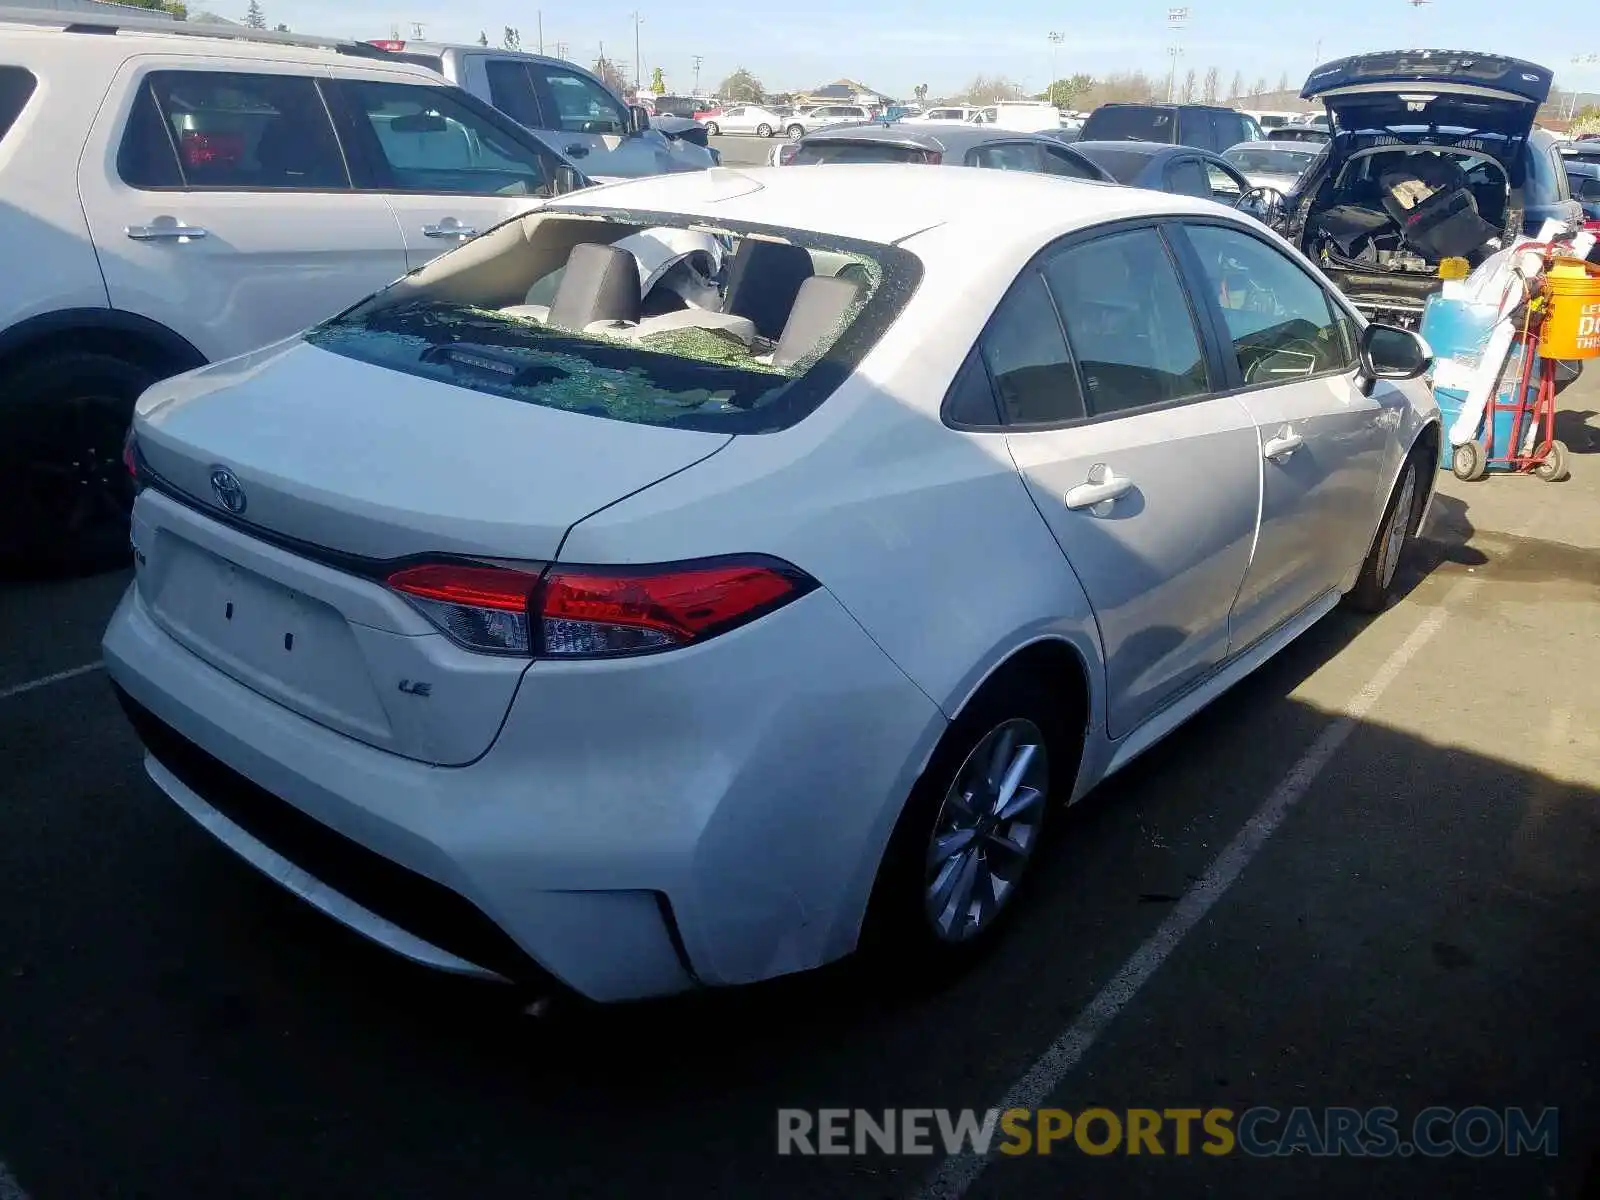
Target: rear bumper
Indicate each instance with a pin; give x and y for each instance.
(710, 816)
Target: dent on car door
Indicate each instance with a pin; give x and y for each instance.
(220, 206)
(446, 169)
(1146, 478)
(1291, 353)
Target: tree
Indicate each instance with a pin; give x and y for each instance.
(254, 17)
(1188, 87)
(741, 86)
(1211, 86)
(1065, 93)
(483, 38)
(921, 93)
(985, 89)
(610, 74)
(512, 39)
(1283, 82)
(658, 82)
(1237, 88)
(1260, 88)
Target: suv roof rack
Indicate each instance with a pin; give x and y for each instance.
(81, 22)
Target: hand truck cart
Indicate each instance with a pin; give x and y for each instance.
(1560, 321)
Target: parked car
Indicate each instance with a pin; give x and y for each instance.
(746, 118)
(1579, 150)
(1583, 181)
(1309, 134)
(1204, 126)
(186, 193)
(947, 112)
(804, 120)
(948, 145)
(1025, 116)
(1182, 170)
(1434, 156)
(1272, 164)
(569, 108)
(684, 107)
(683, 651)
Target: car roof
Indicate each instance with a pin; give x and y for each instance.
(118, 37)
(887, 202)
(934, 135)
(1280, 144)
(1148, 149)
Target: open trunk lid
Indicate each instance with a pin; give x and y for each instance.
(282, 487)
(1446, 88)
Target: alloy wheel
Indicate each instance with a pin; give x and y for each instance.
(986, 830)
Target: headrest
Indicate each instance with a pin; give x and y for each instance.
(763, 280)
(819, 310)
(601, 283)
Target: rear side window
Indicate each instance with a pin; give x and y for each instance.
(1006, 156)
(511, 91)
(1028, 357)
(1128, 321)
(230, 131)
(16, 86)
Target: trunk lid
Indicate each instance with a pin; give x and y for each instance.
(346, 456)
(1490, 93)
(343, 465)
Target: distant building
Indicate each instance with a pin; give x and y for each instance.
(91, 8)
(841, 91)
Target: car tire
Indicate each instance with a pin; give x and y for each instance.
(713, 129)
(1374, 589)
(764, 130)
(902, 940)
(65, 495)
(796, 132)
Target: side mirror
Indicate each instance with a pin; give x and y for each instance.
(567, 180)
(1388, 352)
(638, 119)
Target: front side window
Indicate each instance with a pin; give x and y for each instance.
(1281, 322)
(16, 87)
(1224, 187)
(423, 139)
(1028, 357)
(230, 131)
(577, 103)
(1128, 321)
(1057, 162)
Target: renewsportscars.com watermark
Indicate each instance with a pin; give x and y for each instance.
(1259, 1132)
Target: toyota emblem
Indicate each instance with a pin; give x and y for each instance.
(230, 492)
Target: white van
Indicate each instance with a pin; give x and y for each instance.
(1021, 116)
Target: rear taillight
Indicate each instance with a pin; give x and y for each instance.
(786, 154)
(133, 460)
(393, 47)
(212, 149)
(597, 612)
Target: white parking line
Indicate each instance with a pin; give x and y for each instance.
(10, 1189)
(34, 685)
(959, 1172)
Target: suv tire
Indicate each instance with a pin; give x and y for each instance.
(65, 495)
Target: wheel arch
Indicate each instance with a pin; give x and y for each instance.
(108, 330)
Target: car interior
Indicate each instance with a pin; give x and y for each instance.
(768, 305)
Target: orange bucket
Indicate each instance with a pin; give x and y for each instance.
(1572, 326)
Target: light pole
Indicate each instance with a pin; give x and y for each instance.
(1175, 19)
(697, 61)
(1055, 40)
(638, 82)
(1572, 94)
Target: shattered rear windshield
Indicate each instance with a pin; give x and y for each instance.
(683, 326)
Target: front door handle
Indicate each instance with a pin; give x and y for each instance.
(164, 230)
(449, 228)
(1281, 445)
(1100, 491)
(576, 151)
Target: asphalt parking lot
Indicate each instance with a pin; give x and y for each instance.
(744, 150)
(1369, 876)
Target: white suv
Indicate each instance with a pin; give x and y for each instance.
(173, 196)
(804, 121)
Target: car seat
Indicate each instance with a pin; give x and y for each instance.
(601, 283)
(764, 280)
(816, 318)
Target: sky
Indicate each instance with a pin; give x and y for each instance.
(893, 45)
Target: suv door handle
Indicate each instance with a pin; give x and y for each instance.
(1103, 487)
(449, 228)
(1281, 445)
(162, 231)
(576, 151)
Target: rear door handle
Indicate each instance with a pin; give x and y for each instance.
(1100, 491)
(449, 228)
(1282, 444)
(162, 231)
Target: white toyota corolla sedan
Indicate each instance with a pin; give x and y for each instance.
(535, 621)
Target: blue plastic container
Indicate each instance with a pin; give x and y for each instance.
(1458, 329)
(1450, 400)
